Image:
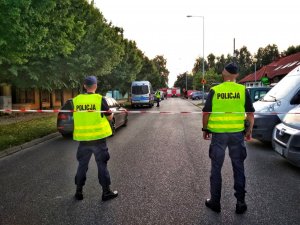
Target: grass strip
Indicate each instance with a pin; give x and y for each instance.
(21, 132)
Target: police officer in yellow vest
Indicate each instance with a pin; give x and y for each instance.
(157, 97)
(227, 107)
(91, 129)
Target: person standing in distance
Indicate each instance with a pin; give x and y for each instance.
(91, 128)
(227, 129)
(157, 97)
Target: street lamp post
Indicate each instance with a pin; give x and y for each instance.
(255, 61)
(189, 16)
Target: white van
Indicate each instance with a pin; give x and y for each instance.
(286, 137)
(270, 110)
(141, 94)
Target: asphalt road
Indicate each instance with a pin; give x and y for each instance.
(160, 166)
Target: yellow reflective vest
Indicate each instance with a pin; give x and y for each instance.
(89, 125)
(157, 95)
(228, 108)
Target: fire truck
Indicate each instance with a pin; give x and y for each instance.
(173, 92)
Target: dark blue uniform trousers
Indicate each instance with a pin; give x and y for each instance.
(237, 152)
(84, 153)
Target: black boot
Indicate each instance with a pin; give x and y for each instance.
(78, 194)
(108, 194)
(240, 207)
(214, 206)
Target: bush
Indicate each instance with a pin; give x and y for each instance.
(21, 132)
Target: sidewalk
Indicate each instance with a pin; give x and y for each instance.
(197, 103)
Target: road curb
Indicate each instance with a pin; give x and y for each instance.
(26, 145)
(195, 104)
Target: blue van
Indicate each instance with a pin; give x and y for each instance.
(141, 94)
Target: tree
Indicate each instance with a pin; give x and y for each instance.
(266, 55)
(212, 78)
(244, 61)
(149, 72)
(198, 65)
(220, 64)
(126, 71)
(291, 50)
(42, 30)
(161, 64)
(184, 80)
(211, 58)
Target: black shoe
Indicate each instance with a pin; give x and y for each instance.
(240, 207)
(214, 206)
(78, 195)
(107, 195)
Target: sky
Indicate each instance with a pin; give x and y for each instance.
(161, 27)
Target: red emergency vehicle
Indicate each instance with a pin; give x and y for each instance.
(173, 92)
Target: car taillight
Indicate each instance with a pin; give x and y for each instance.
(62, 116)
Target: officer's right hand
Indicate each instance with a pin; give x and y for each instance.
(206, 135)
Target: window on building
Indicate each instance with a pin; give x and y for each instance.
(20, 95)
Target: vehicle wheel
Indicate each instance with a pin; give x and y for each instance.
(125, 123)
(113, 127)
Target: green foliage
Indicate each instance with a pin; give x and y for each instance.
(244, 60)
(266, 55)
(154, 71)
(184, 80)
(291, 50)
(161, 64)
(22, 132)
(215, 64)
(198, 66)
(53, 44)
(126, 71)
(212, 77)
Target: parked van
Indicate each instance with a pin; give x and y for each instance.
(141, 94)
(270, 110)
(286, 137)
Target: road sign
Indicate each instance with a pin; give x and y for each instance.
(203, 81)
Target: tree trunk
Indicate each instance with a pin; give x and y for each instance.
(40, 99)
(51, 100)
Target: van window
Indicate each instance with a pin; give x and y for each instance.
(296, 99)
(287, 84)
(259, 94)
(140, 90)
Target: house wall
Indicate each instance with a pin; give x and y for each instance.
(6, 90)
